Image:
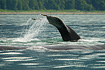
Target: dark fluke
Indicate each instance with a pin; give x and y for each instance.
(66, 32)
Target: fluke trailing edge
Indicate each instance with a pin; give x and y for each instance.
(66, 32)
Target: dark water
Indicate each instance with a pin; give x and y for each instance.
(21, 31)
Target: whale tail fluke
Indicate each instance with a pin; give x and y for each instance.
(74, 35)
(66, 32)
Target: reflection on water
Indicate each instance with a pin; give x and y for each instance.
(89, 27)
(31, 59)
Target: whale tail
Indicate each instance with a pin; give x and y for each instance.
(66, 32)
(74, 35)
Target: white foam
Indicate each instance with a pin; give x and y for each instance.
(24, 40)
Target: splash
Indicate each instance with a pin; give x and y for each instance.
(34, 30)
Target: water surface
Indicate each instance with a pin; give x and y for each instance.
(21, 31)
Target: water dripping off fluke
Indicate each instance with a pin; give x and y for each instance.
(33, 31)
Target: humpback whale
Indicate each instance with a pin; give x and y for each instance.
(67, 34)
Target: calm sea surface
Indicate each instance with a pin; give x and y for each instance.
(22, 31)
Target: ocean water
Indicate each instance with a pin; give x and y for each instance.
(22, 31)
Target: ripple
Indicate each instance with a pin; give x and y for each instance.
(67, 59)
(101, 58)
(92, 56)
(101, 54)
(101, 61)
(87, 52)
(97, 64)
(11, 53)
(2, 65)
(29, 64)
(18, 59)
(0, 51)
(65, 66)
(61, 55)
(98, 67)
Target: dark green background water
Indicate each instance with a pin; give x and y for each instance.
(21, 31)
